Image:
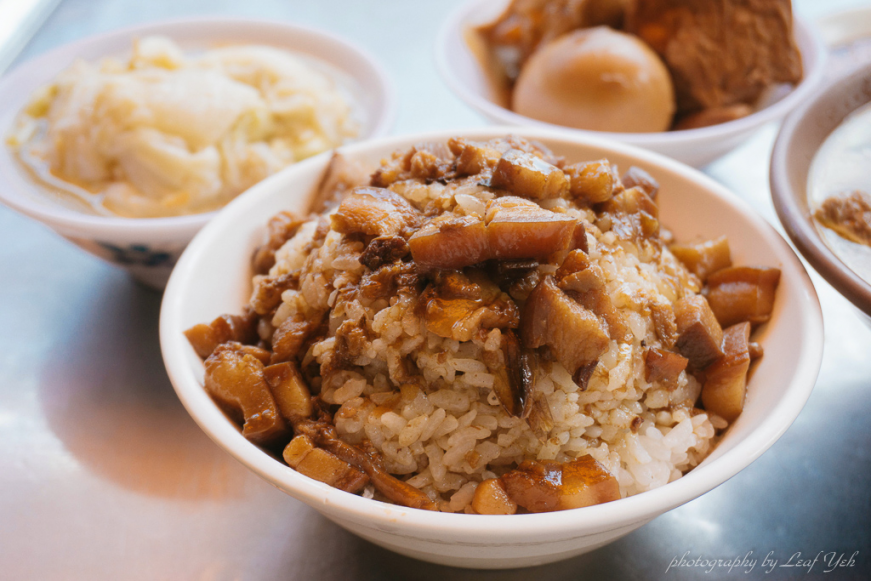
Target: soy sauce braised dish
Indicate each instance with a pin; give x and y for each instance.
(485, 327)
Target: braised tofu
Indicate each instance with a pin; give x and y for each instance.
(528, 176)
(374, 212)
(719, 52)
(450, 243)
(236, 382)
(290, 391)
(700, 336)
(743, 293)
(703, 258)
(575, 335)
(520, 229)
(491, 498)
(726, 379)
(592, 182)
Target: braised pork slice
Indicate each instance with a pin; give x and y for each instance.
(236, 381)
(289, 337)
(456, 307)
(632, 215)
(341, 176)
(301, 455)
(374, 212)
(513, 228)
(637, 177)
(719, 52)
(206, 338)
(574, 334)
(592, 182)
(726, 379)
(703, 257)
(492, 498)
(290, 391)
(280, 229)
(700, 336)
(743, 293)
(663, 366)
(369, 461)
(450, 242)
(473, 158)
(267, 291)
(390, 280)
(519, 229)
(528, 176)
(384, 250)
(544, 486)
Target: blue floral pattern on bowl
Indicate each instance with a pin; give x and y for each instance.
(138, 254)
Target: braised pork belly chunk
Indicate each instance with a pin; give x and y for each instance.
(488, 329)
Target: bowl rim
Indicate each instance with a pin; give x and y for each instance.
(797, 221)
(422, 524)
(812, 62)
(120, 227)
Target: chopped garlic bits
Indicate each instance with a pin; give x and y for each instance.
(168, 134)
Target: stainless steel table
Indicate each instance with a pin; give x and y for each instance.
(104, 476)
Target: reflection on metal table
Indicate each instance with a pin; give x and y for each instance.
(103, 475)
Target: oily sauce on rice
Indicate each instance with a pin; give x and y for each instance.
(486, 328)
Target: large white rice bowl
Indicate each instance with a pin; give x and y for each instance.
(430, 438)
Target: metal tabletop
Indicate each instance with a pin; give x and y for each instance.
(103, 475)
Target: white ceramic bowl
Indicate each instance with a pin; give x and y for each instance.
(213, 277)
(463, 73)
(802, 134)
(149, 248)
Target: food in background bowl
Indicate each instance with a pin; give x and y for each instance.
(838, 183)
(598, 79)
(722, 57)
(167, 134)
(486, 329)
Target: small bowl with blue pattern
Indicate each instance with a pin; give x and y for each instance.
(148, 248)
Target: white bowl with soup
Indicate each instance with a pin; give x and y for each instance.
(637, 116)
(127, 143)
(820, 183)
